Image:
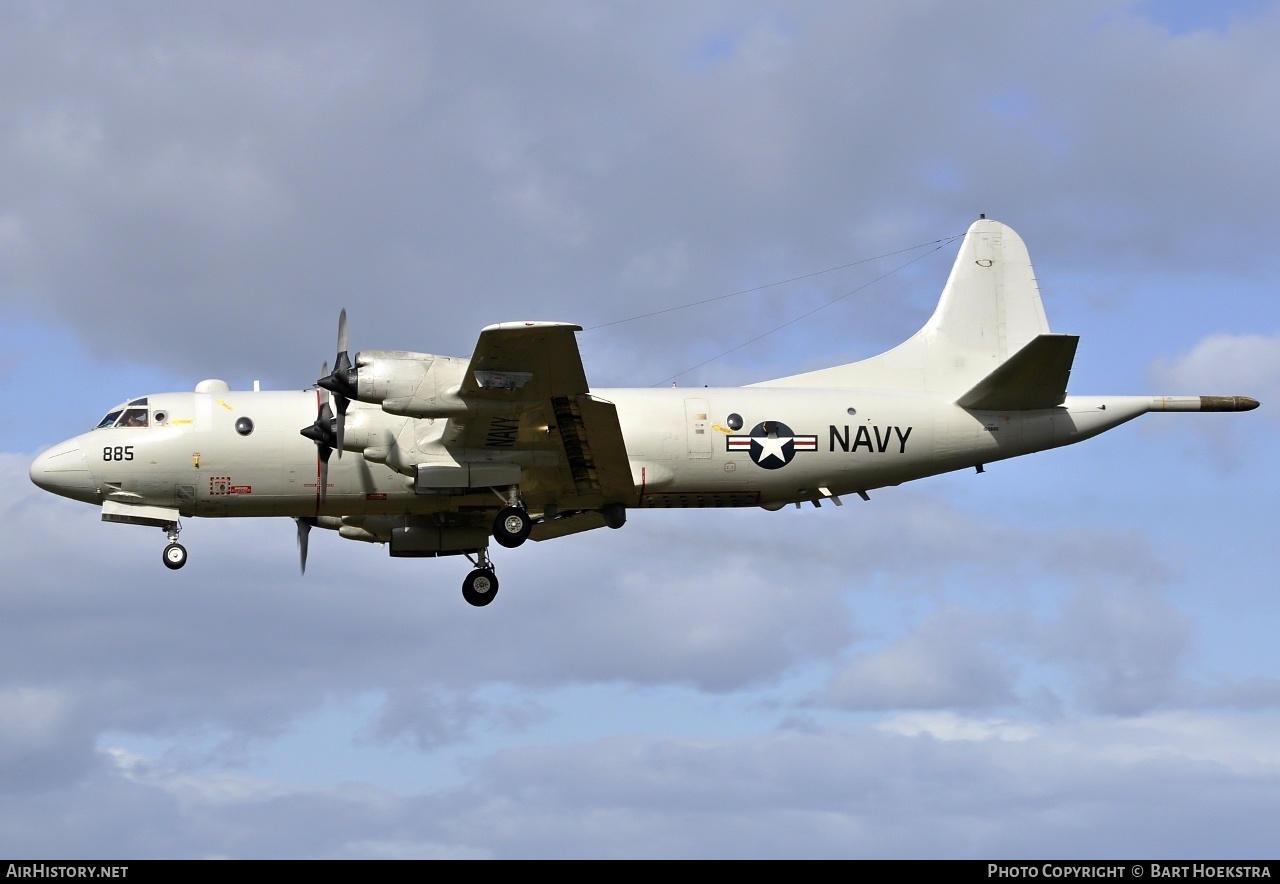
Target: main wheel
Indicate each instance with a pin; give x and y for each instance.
(480, 587)
(175, 556)
(512, 526)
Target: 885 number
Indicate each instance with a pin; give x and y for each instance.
(117, 452)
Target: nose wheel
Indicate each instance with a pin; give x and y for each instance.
(175, 554)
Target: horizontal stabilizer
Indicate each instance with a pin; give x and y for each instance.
(1034, 377)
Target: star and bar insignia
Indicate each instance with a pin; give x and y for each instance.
(771, 444)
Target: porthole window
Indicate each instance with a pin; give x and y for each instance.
(161, 417)
(244, 426)
(852, 411)
(734, 421)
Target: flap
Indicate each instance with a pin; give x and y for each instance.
(574, 524)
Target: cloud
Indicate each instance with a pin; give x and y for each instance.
(1127, 647)
(383, 162)
(1226, 365)
(1223, 364)
(1081, 789)
(944, 665)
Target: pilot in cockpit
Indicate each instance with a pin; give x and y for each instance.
(128, 415)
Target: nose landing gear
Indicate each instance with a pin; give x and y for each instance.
(175, 554)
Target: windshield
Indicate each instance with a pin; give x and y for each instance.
(126, 416)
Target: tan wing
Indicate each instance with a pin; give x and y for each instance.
(529, 403)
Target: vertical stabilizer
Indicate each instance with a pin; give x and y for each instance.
(989, 310)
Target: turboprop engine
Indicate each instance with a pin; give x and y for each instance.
(409, 384)
(418, 385)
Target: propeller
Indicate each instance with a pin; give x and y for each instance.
(324, 434)
(304, 530)
(342, 383)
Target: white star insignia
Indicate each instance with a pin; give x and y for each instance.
(771, 447)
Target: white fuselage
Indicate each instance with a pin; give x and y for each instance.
(682, 444)
(436, 455)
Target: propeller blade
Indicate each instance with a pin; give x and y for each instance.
(304, 531)
(340, 429)
(322, 433)
(324, 472)
(343, 382)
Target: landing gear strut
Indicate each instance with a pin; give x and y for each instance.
(481, 584)
(175, 554)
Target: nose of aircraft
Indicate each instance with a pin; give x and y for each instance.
(63, 470)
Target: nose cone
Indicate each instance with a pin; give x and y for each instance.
(63, 470)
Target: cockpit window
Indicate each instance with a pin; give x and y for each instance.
(142, 401)
(125, 417)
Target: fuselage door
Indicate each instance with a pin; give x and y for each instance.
(698, 427)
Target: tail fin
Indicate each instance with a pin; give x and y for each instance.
(990, 309)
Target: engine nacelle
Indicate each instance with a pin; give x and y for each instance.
(410, 384)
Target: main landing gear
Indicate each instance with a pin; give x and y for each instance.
(481, 584)
(175, 554)
(512, 526)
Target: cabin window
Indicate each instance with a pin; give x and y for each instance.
(244, 426)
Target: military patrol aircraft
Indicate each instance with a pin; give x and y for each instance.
(445, 454)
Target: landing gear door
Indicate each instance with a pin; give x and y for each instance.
(697, 427)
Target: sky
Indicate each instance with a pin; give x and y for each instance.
(1069, 655)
